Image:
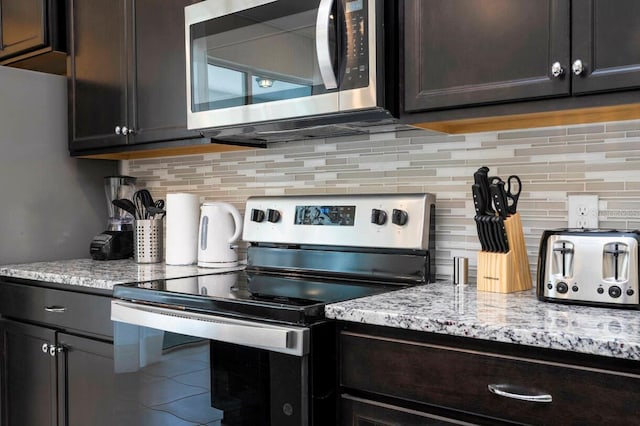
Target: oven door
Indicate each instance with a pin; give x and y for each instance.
(251, 61)
(184, 368)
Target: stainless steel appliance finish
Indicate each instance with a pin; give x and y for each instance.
(265, 70)
(270, 343)
(595, 267)
(398, 221)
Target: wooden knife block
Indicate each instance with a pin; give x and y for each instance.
(506, 272)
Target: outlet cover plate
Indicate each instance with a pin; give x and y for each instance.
(583, 211)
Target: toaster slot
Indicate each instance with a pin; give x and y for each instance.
(615, 262)
(563, 259)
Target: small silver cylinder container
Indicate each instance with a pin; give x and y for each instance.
(147, 244)
(460, 270)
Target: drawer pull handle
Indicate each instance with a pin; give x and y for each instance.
(55, 309)
(520, 393)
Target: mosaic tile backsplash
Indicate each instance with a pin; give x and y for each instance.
(554, 162)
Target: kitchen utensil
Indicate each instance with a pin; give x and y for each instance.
(220, 227)
(514, 187)
(499, 197)
(126, 205)
(142, 200)
(480, 178)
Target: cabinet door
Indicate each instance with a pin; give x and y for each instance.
(606, 39)
(28, 375)
(98, 72)
(22, 26)
(461, 52)
(160, 106)
(86, 390)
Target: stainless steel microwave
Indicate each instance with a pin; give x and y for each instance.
(270, 70)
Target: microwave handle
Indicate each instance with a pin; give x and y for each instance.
(323, 50)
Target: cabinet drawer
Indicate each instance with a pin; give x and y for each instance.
(363, 412)
(67, 310)
(459, 379)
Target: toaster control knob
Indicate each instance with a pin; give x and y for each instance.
(562, 287)
(399, 217)
(273, 215)
(600, 290)
(257, 215)
(378, 217)
(615, 291)
(630, 292)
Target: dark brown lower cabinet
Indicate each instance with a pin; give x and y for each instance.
(56, 358)
(52, 378)
(394, 377)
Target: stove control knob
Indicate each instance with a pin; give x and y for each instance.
(273, 216)
(378, 217)
(562, 287)
(399, 217)
(615, 291)
(257, 215)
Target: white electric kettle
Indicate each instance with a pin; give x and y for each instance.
(220, 227)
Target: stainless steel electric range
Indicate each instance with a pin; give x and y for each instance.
(265, 352)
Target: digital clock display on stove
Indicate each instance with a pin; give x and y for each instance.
(325, 215)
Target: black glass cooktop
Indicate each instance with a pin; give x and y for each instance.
(249, 294)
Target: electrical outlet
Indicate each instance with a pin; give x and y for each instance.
(583, 211)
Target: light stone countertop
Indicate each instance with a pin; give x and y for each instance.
(443, 308)
(518, 318)
(102, 275)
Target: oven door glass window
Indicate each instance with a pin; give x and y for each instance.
(164, 378)
(263, 54)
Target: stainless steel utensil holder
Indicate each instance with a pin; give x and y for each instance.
(147, 247)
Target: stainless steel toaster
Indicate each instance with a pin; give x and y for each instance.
(589, 266)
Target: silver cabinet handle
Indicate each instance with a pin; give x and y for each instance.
(520, 393)
(118, 130)
(127, 131)
(556, 69)
(577, 67)
(55, 309)
(323, 50)
(54, 350)
(45, 348)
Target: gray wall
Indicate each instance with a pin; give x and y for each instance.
(51, 204)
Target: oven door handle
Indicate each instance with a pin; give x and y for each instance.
(276, 338)
(323, 50)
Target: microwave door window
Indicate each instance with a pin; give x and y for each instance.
(263, 54)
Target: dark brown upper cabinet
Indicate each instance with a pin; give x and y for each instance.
(32, 34)
(605, 43)
(127, 74)
(462, 53)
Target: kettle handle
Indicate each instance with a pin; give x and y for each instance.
(237, 219)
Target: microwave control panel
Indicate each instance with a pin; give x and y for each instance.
(356, 67)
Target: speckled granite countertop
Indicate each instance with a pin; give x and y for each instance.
(518, 318)
(102, 275)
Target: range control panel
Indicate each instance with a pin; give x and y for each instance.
(399, 221)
